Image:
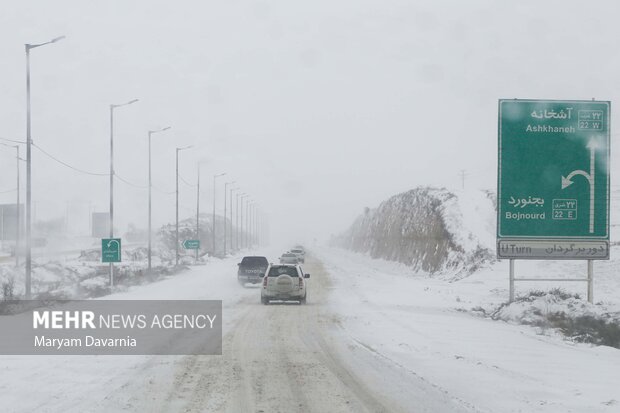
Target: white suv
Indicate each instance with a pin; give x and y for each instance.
(284, 282)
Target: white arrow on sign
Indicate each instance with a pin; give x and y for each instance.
(567, 181)
(118, 246)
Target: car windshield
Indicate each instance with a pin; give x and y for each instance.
(254, 261)
(288, 256)
(276, 271)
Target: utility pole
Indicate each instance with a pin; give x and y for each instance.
(463, 174)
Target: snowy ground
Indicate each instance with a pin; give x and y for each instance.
(415, 322)
(373, 337)
(93, 383)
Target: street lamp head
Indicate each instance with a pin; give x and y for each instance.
(158, 130)
(218, 175)
(124, 104)
(184, 147)
(54, 40)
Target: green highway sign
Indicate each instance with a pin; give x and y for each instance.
(111, 250)
(553, 179)
(191, 244)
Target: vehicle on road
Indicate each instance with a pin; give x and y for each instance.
(289, 258)
(284, 282)
(301, 254)
(252, 269)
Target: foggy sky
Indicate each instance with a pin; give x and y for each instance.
(317, 109)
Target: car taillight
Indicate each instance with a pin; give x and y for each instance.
(264, 282)
(301, 282)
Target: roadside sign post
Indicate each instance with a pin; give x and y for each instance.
(111, 252)
(191, 244)
(553, 182)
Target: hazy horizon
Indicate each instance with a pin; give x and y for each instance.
(317, 110)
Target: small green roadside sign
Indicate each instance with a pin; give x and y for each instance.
(553, 179)
(191, 244)
(111, 250)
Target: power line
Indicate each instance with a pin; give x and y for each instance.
(12, 140)
(67, 165)
(186, 183)
(9, 190)
(129, 183)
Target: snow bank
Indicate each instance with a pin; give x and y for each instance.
(432, 230)
(567, 313)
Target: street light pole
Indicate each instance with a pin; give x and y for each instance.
(247, 221)
(213, 222)
(252, 224)
(243, 196)
(256, 221)
(151, 132)
(197, 209)
(231, 217)
(28, 47)
(177, 205)
(237, 221)
(17, 214)
(225, 195)
(249, 225)
(112, 107)
(259, 228)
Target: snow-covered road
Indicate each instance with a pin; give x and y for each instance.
(369, 339)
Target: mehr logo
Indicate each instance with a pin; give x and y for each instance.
(63, 319)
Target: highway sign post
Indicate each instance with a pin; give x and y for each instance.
(191, 244)
(553, 181)
(111, 250)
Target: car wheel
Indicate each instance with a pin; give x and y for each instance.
(264, 300)
(302, 300)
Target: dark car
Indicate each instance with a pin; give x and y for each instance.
(252, 270)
